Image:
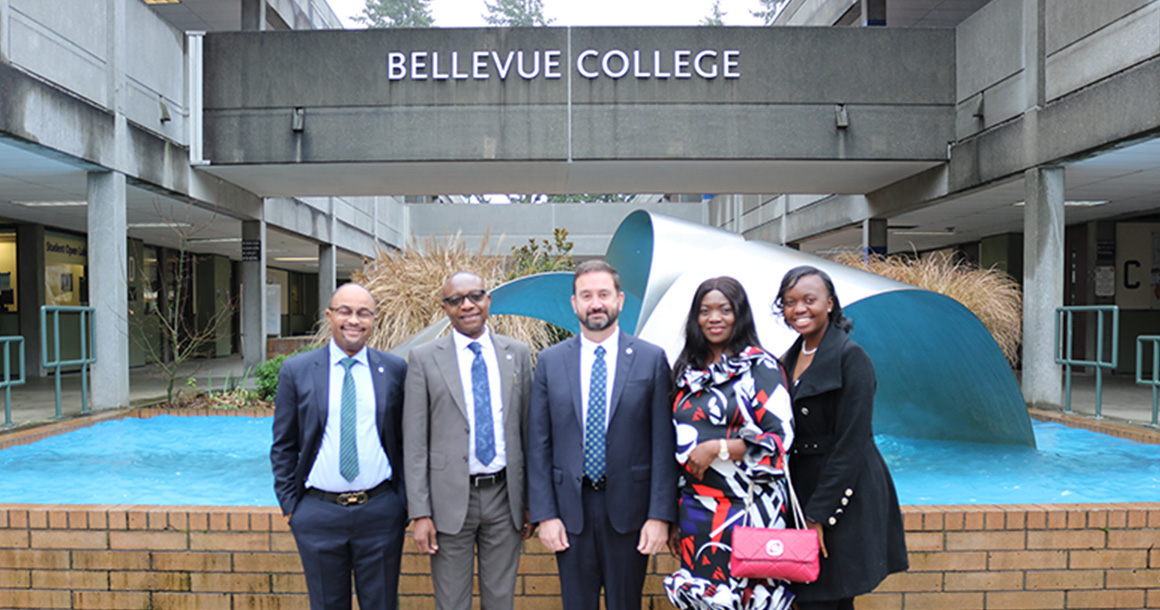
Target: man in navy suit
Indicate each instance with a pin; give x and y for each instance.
(337, 460)
(602, 479)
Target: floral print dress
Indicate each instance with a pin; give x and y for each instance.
(743, 396)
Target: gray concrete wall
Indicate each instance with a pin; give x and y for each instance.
(897, 84)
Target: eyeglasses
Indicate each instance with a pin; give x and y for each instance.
(364, 314)
(456, 300)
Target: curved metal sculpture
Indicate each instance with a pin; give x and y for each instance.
(940, 374)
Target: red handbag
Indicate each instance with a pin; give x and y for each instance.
(782, 554)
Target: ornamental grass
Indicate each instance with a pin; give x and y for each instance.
(408, 290)
(992, 295)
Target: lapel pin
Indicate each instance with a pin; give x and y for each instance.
(380, 369)
(628, 350)
(509, 356)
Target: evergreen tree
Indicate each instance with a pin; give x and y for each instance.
(396, 14)
(516, 13)
(716, 16)
(770, 10)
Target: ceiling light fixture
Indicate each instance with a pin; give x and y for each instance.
(51, 204)
(1071, 204)
(297, 259)
(158, 225)
(928, 233)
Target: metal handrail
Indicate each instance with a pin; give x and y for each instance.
(1155, 380)
(8, 381)
(1067, 360)
(88, 347)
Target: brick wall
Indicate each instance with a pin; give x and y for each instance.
(962, 557)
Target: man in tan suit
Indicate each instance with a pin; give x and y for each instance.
(464, 411)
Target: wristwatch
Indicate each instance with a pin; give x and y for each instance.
(723, 452)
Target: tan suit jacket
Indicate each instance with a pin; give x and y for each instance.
(436, 435)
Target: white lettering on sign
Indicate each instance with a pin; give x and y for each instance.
(707, 64)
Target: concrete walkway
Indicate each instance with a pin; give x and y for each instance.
(35, 401)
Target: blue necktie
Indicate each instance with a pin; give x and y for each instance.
(594, 425)
(481, 392)
(347, 441)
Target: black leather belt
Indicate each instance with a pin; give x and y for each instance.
(489, 479)
(349, 498)
(598, 485)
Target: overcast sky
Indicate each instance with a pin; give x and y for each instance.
(468, 13)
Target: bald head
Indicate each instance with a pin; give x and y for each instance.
(352, 317)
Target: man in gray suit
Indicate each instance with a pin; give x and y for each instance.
(463, 440)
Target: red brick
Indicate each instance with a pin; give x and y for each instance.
(34, 558)
(954, 521)
(1024, 560)
(1137, 517)
(943, 562)
(932, 521)
(198, 521)
(148, 540)
(1132, 579)
(1066, 539)
(982, 581)
(1133, 539)
(194, 601)
(284, 543)
(219, 520)
(873, 601)
(70, 579)
(69, 539)
(985, 541)
(1016, 519)
(98, 519)
(17, 518)
(1036, 518)
(178, 520)
(1106, 599)
(58, 518)
(14, 539)
(149, 581)
(212, 582)
(110, 600)
(542, 585)
(1094, 560)
(118, 519)
(288, 583)
(110, 560)
(158, 518)
(994, 519)
(911, 581)
(1064, 579)
(229, 541)
(15, 579)
(78, 519)
(267, 562)
(941, 601)
(278, 523)
(245, 601)
(138, 517)
(1024, 600)
(1056, 517)
(1098, 518)
(911, 518)
(260, 521)
(972, 518)
(925, 541)
(546, 564)
(38, 599)
(191, 562)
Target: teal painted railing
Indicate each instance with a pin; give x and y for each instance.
(52, 359)
(8, 381)
(1155, 380)
(1065, 340)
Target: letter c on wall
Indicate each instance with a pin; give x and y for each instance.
(1128, 265)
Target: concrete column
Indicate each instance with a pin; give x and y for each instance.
(108, 289)
(874, 237)
(253, 292)
(1042, 284)
(253, 15)
(327, 276)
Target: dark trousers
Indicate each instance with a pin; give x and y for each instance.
(364, 540)
(598, 557)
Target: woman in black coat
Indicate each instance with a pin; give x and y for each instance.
(839, 475)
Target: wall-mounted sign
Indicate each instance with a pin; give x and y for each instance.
(706, 64)
(251, 250)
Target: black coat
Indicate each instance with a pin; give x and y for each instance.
(840, 477)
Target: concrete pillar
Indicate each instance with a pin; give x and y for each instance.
(873, 12)
(108, 288)
(327, 276)
(874, 237)
(253, 15)
(253, 292)
(1042, 284)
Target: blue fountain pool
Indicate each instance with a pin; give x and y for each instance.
(224, 461)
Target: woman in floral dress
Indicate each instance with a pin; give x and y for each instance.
(732, 415)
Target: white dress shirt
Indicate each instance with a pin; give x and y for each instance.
(373, 465)
(466, 357)
(587, 358)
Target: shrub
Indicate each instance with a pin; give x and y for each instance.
(267, 376)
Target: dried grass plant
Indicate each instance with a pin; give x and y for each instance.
(408, 288)
(992, 295)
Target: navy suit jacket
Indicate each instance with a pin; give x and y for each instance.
(300, 413)
(641, 471)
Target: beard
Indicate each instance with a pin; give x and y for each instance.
(598, 325)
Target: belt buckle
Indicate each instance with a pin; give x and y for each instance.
(351, 498)
(484, 480)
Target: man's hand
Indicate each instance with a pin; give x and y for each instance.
(425, 536)
(653, 537)
(553, 535)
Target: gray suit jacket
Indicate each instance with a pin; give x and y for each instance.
(436, 435)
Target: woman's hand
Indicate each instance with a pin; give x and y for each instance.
(817, 527)
(701, 457)
(675, 540)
